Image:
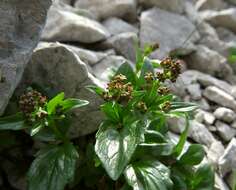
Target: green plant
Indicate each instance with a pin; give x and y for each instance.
(232, 55)
(133, 148)
(133, 142)
(47, 121)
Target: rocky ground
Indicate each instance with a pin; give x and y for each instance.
(83, 40)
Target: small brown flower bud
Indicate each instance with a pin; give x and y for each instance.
(166, 106)
(163, 90)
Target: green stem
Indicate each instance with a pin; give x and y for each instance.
(57, 132)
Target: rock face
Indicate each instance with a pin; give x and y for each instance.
(216, 63)
(56, 67)
(225, 18)
(170, 5)
(117, 26)
(225, 131)
(21, 25)
(225, 114)
(159, 26)
(211, 4)
(227, 161)
(109, 8)
(124, 44)
(220, 97)
(68, 26)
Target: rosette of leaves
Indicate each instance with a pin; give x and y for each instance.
(133, 142)
(48, 121)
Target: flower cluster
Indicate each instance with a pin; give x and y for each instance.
(119, 89)
(142, 106)
(171, 70)
(163, 90)
(166, 106)
(30, 102)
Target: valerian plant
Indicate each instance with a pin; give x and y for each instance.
(48, 121)
(133, 143)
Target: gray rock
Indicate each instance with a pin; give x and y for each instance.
(220, 97)
(195, 91)
(104, 68)
(109, 8)
(219, 183)
(21, 25)
(117, 26)
(67, 26)
(197, 131)
(15, 173)
(124, 44)
(225, 131)
(215, 152)
(216, 64)
(159, 26)
(65, 5)
(87, 56)
(233, 91)
(225, 18)
(193, 76)
(232, 1)
(57, 68)
(210, 38)
(211, 4)
(226, 35)
(170, 5)
(203, 104)
(205, 117)
(227, 161)
(225, 114)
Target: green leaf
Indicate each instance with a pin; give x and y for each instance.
(113, 111)
(193, 156)
(36, 128)
(115, 148)
(159, 124)
(72, 103)
(98, 90)
(183, 107)
(183, 137)
(139, 58)
(203, 178)
(179, 183)
(13, 122)
(53, 103)
(127, 70)
(232, 59)
(53, 168)
(148, 175)
(153, 138)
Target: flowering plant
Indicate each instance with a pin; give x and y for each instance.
(133, 143)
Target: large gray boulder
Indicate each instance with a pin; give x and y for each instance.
(227, 162)
(170, 30)
(103, 9)
(225, 18)
(211, 4)
(117, 26)
(170, 5)
(63, 25)
(21, 26)
(209, 61)
(56, 67)
(220, 97)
